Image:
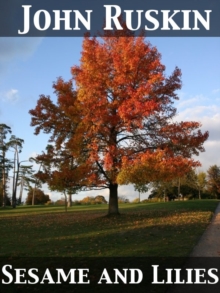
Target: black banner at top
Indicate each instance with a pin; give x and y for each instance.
(196, 18)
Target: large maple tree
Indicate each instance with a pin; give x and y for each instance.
(117, 125)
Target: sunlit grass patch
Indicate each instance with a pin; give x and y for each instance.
(158, 229)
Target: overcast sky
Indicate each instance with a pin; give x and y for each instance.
(28, 67)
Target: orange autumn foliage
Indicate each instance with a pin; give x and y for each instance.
(117, 123)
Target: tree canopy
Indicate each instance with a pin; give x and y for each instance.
(39, 198)
(114, 120)
(214, 180)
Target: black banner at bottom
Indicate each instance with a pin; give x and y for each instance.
(116, 274)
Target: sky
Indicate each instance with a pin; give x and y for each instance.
(29, 66)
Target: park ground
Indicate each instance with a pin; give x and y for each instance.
(149, 229)
(85, 237)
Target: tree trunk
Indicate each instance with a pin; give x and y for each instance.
(15, 177)
(3, 179)
(21, 190)
(3, 188)
(69, 200)
(65, 201)
(35, 185)
(113, 200)
(179, 189)
(16, 183)
(33, 195)
(13, 203)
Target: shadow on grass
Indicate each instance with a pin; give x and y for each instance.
(167, 229)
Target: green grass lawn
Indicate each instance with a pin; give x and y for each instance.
(152, 229)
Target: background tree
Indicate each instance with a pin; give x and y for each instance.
(197, 181)
(213, 180)
(7, 199)
(201, 182)
(59, 171)
(5, 167)
(25, 179)
(40, 197)
(190, 185)
(100, 199)
(15, 143)
(60, 201)
(35, 178)
(88, 200)
(123, 199)
(141, 188)
(119, 119)
(5, 164)
(164, 190)
(136, 200)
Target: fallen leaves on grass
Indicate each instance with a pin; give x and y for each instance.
(170, 231)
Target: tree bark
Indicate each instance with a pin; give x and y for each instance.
(16, 182)
(3, 178)
(179, 189)
(113, 200)
(65, 201)
(69, 200)
(21, 190)
(13, 200)
(35, 185)
(33, 195)
(3, 187)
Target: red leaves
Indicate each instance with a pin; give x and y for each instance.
(119, 119)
